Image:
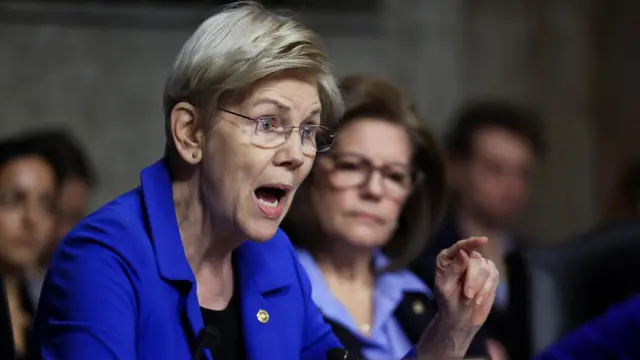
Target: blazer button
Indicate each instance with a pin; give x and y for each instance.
(417, 307)
(262, 316)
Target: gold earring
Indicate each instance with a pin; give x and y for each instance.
(194, 154)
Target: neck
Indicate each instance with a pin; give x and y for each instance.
(208, 244)
(346, 264)
(12, 285)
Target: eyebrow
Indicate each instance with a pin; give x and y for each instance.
(282, 107)
(362, 156)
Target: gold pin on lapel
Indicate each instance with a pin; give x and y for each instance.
(262, 316)
(417, 307)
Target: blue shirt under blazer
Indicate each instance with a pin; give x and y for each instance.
(120, 287)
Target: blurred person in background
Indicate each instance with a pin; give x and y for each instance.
(76, 180)
(613, 329)
(492, 150)
(363, 215)
(613, 336)
(27, 200)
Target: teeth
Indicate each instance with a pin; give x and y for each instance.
(273, 204)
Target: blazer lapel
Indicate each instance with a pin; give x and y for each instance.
(173, 266)
(260, 285)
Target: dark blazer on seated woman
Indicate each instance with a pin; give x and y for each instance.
(614, 336)
(135, 297)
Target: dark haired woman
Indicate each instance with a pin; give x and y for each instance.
(373, 201)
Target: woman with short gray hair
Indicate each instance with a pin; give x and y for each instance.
(165, 271)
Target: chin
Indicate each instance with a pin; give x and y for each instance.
(365, 239)
(21, 263)
(261, 230)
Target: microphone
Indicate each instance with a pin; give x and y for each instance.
(340, 354)
(208, 338)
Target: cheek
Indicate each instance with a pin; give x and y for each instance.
(303, 171)
(393, 208)
(329, 204)
(10, 224)
(45, 227)
(232, 167)
(480, 185)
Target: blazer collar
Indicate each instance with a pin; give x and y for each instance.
(157, 194)
(258, 269)
(254, 268)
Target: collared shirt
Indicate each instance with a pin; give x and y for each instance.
(387, 339)
(34, 281)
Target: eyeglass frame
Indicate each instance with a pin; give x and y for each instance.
(416, 175)
(287, 132)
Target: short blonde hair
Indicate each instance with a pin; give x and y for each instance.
(241, 45)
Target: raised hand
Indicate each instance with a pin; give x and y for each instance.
(465, 290)
(465, 283)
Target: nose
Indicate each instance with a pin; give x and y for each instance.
(290, 154)
(373, 187)
(30, 216)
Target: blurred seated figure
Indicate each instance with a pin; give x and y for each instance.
(76, 179)
(27, 193)
(371, 203)
(492, 151)
(612, 336)
(577, 281)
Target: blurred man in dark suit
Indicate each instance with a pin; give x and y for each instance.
(492, 150)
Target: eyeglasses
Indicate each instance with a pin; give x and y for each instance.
(270, 133)
(353, 170)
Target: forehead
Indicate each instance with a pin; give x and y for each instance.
(293, 90)
(501, 144)
(29, 171)
(376, 139)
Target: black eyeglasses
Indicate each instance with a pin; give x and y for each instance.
(269, 133)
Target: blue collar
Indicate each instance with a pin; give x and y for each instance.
(389, 290)
(254, 267)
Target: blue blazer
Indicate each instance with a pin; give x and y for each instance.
(613, 336)
(119, 287)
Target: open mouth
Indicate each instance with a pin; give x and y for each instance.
(270, 197)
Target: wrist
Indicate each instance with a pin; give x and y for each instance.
(456, 326)
(446, 338)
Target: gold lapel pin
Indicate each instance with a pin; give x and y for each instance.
(262, 316)
(417, 307)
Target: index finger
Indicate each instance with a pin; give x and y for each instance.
(469, 245)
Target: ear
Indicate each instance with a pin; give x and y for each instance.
(187, 132)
